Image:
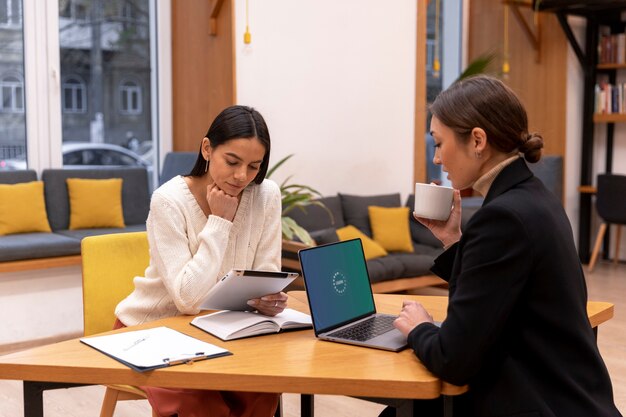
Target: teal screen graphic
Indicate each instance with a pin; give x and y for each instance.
(337, 283)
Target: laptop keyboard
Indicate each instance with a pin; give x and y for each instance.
(367, 329)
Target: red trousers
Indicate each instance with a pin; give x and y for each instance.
(204, 403)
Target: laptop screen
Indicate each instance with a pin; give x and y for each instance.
(337, 284)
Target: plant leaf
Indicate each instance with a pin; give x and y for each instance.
(286, 228)
(302, 234)
(477, 66)
(276, 165)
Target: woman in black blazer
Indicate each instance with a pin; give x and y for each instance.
(516, 330)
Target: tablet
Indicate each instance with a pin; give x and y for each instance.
(238, 286)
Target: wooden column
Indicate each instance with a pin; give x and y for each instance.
(419, 153)
(203, 68)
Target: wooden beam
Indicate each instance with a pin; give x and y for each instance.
(42, 263)
(404, 284)
(215, 12)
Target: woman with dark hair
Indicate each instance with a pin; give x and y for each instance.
(516, 330)
(223, 215)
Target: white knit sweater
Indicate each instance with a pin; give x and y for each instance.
(189, 252)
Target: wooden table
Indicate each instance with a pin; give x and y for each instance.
(287, 362)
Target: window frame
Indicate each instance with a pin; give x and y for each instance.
(79, 87)
(126, 92)
(13, 86)
(11, 22)
(42, 83)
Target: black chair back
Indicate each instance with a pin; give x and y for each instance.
(611, 198)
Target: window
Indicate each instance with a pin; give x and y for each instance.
(12, 101)
(74, 95)
(73, 9)
(106, 74)
(11, 13)
(12, 95)
(130, 98)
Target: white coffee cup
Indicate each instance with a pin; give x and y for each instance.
(433, 201)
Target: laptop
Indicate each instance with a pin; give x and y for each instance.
(341, 300)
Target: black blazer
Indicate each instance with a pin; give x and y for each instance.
(517, 329)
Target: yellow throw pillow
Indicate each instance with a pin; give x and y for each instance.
(371, 249)
(390, 228)
(95, 203)
(23, 208)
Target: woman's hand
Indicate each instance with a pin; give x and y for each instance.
(411, 315)
(449, 231)
(271, 304)
(220, 203)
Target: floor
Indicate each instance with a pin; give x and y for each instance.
(606, 283)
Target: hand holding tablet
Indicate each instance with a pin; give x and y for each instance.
(233, 291)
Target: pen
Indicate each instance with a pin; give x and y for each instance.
(189, 360)
(135, 343)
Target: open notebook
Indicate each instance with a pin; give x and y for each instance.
(229, 325)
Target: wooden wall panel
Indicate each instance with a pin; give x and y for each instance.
(540, 85)
(203, 69)
(419, 148)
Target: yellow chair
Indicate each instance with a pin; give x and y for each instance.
(110, 262)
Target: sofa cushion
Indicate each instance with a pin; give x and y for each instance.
(549, 169)
(355, 208)
(371, 249)
(22, 208)
(324, 236)
(95, 203)
(15, 177)
(419, 232)
(403, 265)
(135, 193)
(390, 228)
(83, 233)
(37, 245)
(314, 217)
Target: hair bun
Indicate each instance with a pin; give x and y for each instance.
(531, 148)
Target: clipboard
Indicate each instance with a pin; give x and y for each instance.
(149, 349)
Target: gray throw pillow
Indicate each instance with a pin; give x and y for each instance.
(355, 208)
(314, 217)
(324, 236)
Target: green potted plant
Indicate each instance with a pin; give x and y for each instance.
(295, 196)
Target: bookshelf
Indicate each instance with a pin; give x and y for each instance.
(602, 17)
(609, 118)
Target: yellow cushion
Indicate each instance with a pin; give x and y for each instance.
(390, 228)
(23, 208)
(371, 249)
(95, 203)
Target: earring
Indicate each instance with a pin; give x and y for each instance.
(206, 167)
(478, 155)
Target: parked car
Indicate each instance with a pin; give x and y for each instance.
(88, 155)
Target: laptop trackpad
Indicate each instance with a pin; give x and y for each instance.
(393, 340)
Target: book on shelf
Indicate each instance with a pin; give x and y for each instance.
(610, 99)
(611, 47)
(230, 325)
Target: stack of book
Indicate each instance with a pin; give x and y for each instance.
(609, 98)
(612, 48)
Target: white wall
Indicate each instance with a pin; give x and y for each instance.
(40, 304)
(574, 134)
(335, 81)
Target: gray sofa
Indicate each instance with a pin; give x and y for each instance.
(394, 272)
(63, 242)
